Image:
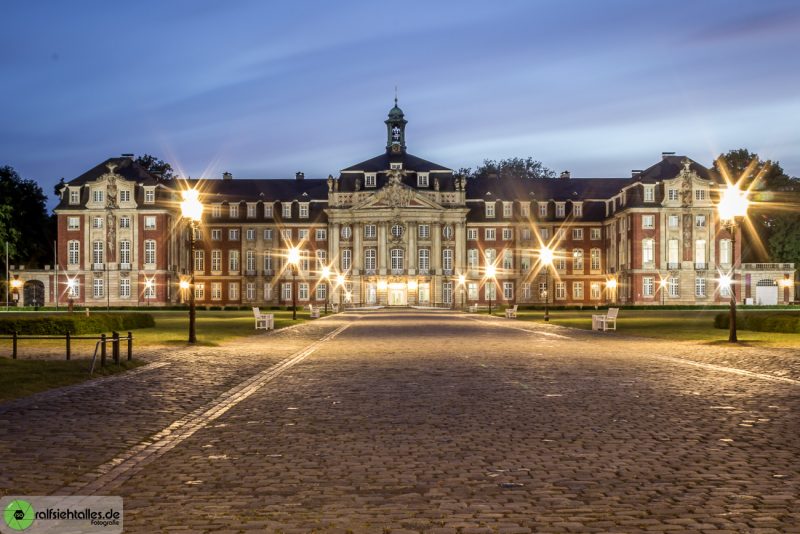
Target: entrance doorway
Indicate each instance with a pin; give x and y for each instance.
(397, 295)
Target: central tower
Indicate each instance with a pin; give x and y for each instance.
(396, 130)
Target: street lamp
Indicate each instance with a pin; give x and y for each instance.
(16, 284)
(148, 287)
(611, 285)
(294, 265)
(491, 272)
(340, 285)
(732, 204)
(546, 259)
(326, 275)
(662, 286)
(192, 210)
(462, 280)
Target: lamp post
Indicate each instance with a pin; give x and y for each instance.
(294, 264)
(611, 286)
(340, 285)
(732, 204)
(546, 259)
(192, 210)
(491, 272)
(16, 283)
(148, 286)
(326, 275)
(462, 280)
(662, 286)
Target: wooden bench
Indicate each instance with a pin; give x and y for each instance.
(264, 321)
(511, 313)
(607, 321)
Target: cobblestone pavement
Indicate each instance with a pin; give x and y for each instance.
(422, 422)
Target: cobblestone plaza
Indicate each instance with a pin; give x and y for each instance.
(436, 422)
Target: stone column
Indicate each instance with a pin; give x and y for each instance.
(412, 247)
(333, 243)
(382, 253)
(357, 249)
(459, 262)
(436, 249)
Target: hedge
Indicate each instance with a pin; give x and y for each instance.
(75, 324)
(761, 322)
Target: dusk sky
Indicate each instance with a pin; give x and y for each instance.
(266, 89)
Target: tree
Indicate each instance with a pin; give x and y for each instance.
(24, 222)
(745, 167)
(60, 185)
(157, 167)
(528, 168)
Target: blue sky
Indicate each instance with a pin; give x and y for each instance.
(264, 89)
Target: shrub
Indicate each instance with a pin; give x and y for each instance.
(761, 322)
(75, 323)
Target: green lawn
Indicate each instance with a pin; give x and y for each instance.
(686, 325)
(19, 378)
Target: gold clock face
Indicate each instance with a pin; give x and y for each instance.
(395, 148)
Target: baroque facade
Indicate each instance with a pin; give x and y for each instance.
(398, 230)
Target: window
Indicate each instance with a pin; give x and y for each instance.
(700, 221)
(267, 211)
(560, 209)
(561, 290)
(673, 221)
(124, 288)
(422, 179)
(396, 255)
(250, 291)
(370, 231)
(268, 234)
(199, 291)
(98, 252)
(648, 222)
(507, 234)
(199, 260)
(525, 234)
(347, 259)
(542, 209)
(370, 259)
(508, 259)
(216, 261)
(577, 209)
(73, 252)
(370, 179)
(525, 261)
(672, 194)
(489, 234)
(672, 254)
(725, 252)
(472, 259)
(673, 287)
(267, 291)
(322, 258)
(577, 234)
(216, 291)
(233, 234)
(286, 208)
(321, 234)
(216, 211)
(577, 260)
(699, 194)
(233, 261)
(322, 292)
(648, 286)
(304, 210)
(125, 253)
(124, 222)
(98, 288)
(149, 195)
(98, 196)
(559, 261)
(700, 254)
(490, 210)
(649, 193)
(302, 234)
(97, 222)
(577, 290)
(648, 251)
(149, 252)
(347, 232)
(545, 233)
(424, 260)
(490, 291)
(216, 234)
(472, 290)
(149, 289)
(150, 222)
(447, 259)
(233, 211)
(595, 259)
(699, 287)
(286, 234)
(233, 291)
(472, 234)
(73, 223)
(489, 256)
(594, 234)
(594, 291)
(250, 261)
(251, 214)
(424, 231)
(268, 262)
(251, 234)
(397, 231)
(396, 166)
(508, 209)
(74, 196)
(508, 290)
(526, 290)
(286, 291)
(447, 292)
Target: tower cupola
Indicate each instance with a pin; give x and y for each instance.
(396, 130)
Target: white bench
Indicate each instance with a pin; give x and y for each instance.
(264, 321)
(474, 308)
(313, 312)
(335, 308)
(607, 321)
(511, 313)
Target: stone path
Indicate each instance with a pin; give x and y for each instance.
(419, 422)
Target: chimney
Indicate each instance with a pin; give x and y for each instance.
(565, 175)
(665, 154)
(299, 175)
(129, 156)
(634, 172)
(227, 176)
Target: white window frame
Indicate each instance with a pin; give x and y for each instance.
(490, 210)
(489, 234)
(648, 222)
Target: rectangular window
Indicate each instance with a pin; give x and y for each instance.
(233, 211)
(577, 209)
(490, 291)
(396, 256)
(251, 234)
(489, 234)
(124, 288)
(725, 252)
(233, 234)
(577, 290)
(150, 222)
(561, 290)
(648, 286)
(267, 211)
(370, 231)
(216, 261)
(490, 210)
(98, 253)
(267, 291)
(700, 253)
(98, 288)
(525, 209)
(369, 259)
(199, 261)
(447, 259)
(250, 291)
(216, 291)
(268, 262)
(673, 221)
(577, 260)
(98, 196)
(577, 234)
(370, 179)
(595, 259)
(542, 209)
(73, 223)
(199, 290)
(322, 291)
(251, 214)
(322, 258)
(286, 210)
(321, 234)
(472, 234)
(302, 234)
(124, 222)
(424, 260)
(250, 259)
(447, 292)
(73, 252)
(525, 234)
(125, 253)
(699, 194)
(699, 287)
(672, 254)
(422, 179)
(149, 289)
(489, 256)
(700, 221)
(233, 291)
(674, 287)
(508, 209)
(97, 222)
(560, 209)
(648, 251)
(424, 231)
(286, 234)
(508, 259)
(268, 234)
(216, 211)
(508, 290)
(233, 261)
(302, 291)
(507, 234)
(304, 210)
(545, 233)
(472, 259)
(526, 290)
(472, 290)
(347, 259)
(216, 234)
(150, 252)
(74, 197)
(594, 234)
(672, 194)
(149, 196)
(648, 222)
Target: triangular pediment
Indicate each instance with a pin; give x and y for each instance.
(398, 195)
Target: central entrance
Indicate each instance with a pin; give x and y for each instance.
(398, 295)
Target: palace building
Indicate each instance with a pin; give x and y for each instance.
(398, 230)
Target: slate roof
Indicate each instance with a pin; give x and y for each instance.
(560, 189)
(125, 167)
(409, 161)
(253, 190)
(670, 166)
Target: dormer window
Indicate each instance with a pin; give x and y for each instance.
(74, 196)
(150, 195)
(396, 166)
(124, 195)
(508, 209)
(490, 210)
(286, 208)
(542, 209)
(98, 196)
(422, 179)
(649, 193)
(234, 211)
(672, 194)
(216, 211)
(577, 209)
(699, 194)
(370, 179)
(560, 209)
(251, 210)
(304, 210)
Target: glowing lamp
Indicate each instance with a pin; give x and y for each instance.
(461, 279)
(546, 256)
(611, 283)
(294, 256)
(491, 271)
(326, 272)
(725, 281)
(191, 207)
(184, 284)
(340, 279)
(733, 203)
(382, 285)
(412, 285)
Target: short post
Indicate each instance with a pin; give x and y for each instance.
(115, 347)
(102, 350)
(69, 346)
(14, 345)
(130, 346)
